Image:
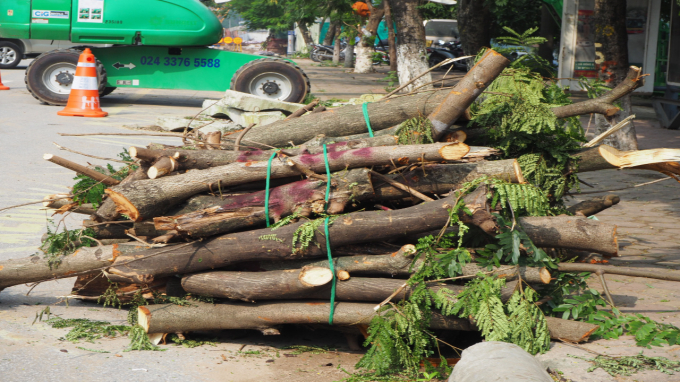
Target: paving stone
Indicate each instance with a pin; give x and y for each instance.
(179, 124)
(249, 102)
(245, 118)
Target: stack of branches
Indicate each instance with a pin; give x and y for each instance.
(361, 226)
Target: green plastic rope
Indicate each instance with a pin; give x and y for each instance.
(328, 242)
(364, 107)
(266, 189)
(330, 263)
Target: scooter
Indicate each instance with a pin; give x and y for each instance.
(325, 52)
(444, 50)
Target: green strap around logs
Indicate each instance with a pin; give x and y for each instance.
(364, 107)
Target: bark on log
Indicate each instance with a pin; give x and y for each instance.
(268, 315)
(63, 203)
(99, 177)
(247, 211)
(35, 268)
(570, 331)
(658, 274)
(203, 159)
(605, 103)
(398, 264)
(354, 228)
(571, 232)
(119, 230)
(170, 318)
(146, 199)
(464, 93)
(287, 285)
(107, 211)
(301, 111)
(594, 205)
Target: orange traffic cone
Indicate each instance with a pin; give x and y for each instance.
(3, 87)
(83, 101)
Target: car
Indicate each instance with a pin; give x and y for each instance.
(12, 51)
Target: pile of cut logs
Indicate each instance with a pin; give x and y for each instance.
(194, 219)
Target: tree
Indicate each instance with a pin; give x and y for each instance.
(411, 52)
(365, 48)
(612, 38)
(474, 25)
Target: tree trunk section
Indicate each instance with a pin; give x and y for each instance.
(96, 175)
(612, 37)
(594, 205)
(474, 19)
(349, 56)
(286, 285)
(221, 251)
(336, 50)
(364, 63)
(550, 30)
(306, 35)
(571, 232)
(391, 37)
(489, 66)
(107, 211)
(59, 201)
(332, 31)
(365, 47)
(267, 315)
(571, 331)
(247, 211)
(146, 199)
(411, 53)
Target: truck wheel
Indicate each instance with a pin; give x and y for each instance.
(10, 55)
(271, 78)
(49, 77)
(107, 90)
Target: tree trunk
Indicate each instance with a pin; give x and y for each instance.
(247, 211)
(264, 244)
(474, 19)
(306, 35)
(611, 36)
(170, 318)
(411, 53)
(290, 285)
(594, 205)
(349, 56)
(550, 30)
(266, 316)
(332, 31)
(204, 159)
(336, 50)
(107, 210)
(35, 268)
(146, 199)
(391, 37)
(489, 66)
(571, 232)
(365, 47)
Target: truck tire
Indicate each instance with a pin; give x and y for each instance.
(49, 77)
(272, 78)
(10, 55)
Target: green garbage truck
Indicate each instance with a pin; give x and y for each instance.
(154, 44)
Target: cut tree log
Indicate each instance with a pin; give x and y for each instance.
(247, 211)
(658, 274)
(145, 199)
(163, 166)
(592, 206)
(264, 316)
(107, 211)
(98, 176)
(289, 285)
(464, 93)
(221, 251)
(301, 111)
(36, 268)
(202, 159)
(120, 229)
(63, 202)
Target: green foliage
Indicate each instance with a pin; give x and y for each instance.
(299, 349)
(271, 236)
(57, 245)
(628, 365)
(87, 330)
(415, 131)
(516, 115)
(524, 199)
(110, 296)
(392, 81)
(190, 343)
(524, 39)
(139, 340)
(518, 321)
(88, 190)
(92, 350)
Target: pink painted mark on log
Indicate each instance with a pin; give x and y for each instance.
(244, 156)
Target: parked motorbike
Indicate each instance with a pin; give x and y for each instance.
(444, 50)
(325, 52)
